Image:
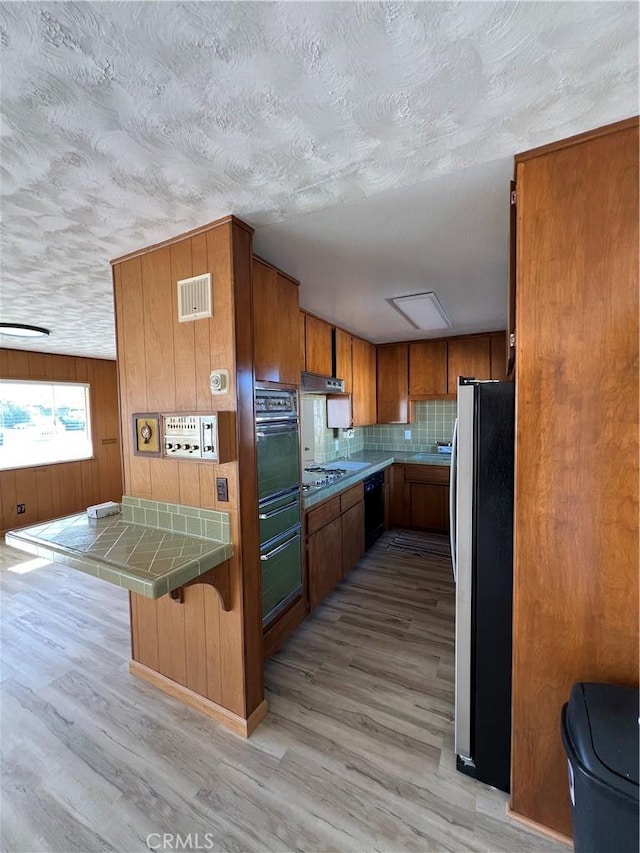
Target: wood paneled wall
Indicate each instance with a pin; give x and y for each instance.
(164, 366)
(49, 491)
(576, 519)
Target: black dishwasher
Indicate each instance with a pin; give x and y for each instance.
(373, 508)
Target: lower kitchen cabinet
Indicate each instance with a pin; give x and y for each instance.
(352, 537)
(419, 497)
(335, 541)
(426, 497)
(396, 496)
(429, 507)
(324, 561)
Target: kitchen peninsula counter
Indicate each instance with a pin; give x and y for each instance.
(372, 461)
(143, 559)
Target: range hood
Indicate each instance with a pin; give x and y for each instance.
(313, 383)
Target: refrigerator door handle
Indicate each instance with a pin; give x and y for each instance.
(465, 452)
(452, 498)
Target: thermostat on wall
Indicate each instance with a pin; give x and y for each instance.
(219, 381)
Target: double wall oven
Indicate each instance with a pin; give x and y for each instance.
(278, 458)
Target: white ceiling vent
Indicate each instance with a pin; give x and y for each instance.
(194, 298)
(423, 310)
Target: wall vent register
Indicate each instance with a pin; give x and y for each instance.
(194, 298)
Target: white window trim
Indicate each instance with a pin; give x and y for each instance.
(89, 430)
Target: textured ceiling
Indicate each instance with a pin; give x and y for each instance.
(127, 123)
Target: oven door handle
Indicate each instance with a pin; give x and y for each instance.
(276, 551)
(263, 516)
(266, 431)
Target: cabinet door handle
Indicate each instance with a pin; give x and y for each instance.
(280, 548)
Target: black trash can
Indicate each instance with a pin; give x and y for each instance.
(600, 736)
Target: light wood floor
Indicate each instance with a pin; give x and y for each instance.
(355, 755)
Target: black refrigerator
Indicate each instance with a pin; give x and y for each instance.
(482, 475)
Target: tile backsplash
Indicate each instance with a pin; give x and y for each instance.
(205, 523)
(434, 422)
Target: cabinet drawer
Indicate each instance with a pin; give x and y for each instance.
(351, 496)
(317, 518)
(426, 474)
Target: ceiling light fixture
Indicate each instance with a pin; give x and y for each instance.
(20, 330)
(423, 310)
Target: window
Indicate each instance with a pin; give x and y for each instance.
(43, 422)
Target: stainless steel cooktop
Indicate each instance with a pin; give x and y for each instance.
(317, 476)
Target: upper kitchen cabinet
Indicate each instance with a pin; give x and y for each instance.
(428, 369)
(276, 333)
(498, 355)
(318, 346)
(343, 359)
(393, 384)
(303, 340)
(364, 383)
(356, 364)
(468, 357)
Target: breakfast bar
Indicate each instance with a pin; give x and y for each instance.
(146, 560)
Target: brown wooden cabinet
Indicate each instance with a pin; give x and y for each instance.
(467, 357)
(275, 325)
(419, 497)
(396, 496)
(318, 346)
(428, 507)
(498, 354)
(352, 536)
(364, 383)
(324, 561)
(393, 384)
(303, 341)
(428, 369)
(343, 359)
(335, 541)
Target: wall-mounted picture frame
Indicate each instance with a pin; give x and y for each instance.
(146, 434)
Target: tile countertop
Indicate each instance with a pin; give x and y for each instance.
(146, 560)
(376, 460)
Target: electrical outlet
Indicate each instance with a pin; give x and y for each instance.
(21, 508)
(336, 444)
(407, 435)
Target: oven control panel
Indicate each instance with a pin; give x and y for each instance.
(190, 437)
(276, 405)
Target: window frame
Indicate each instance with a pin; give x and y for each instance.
(89, 420)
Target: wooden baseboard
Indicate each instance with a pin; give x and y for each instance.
(234, 722)
(539, 827)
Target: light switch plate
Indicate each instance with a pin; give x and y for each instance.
(222, 489)
(407, 435)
